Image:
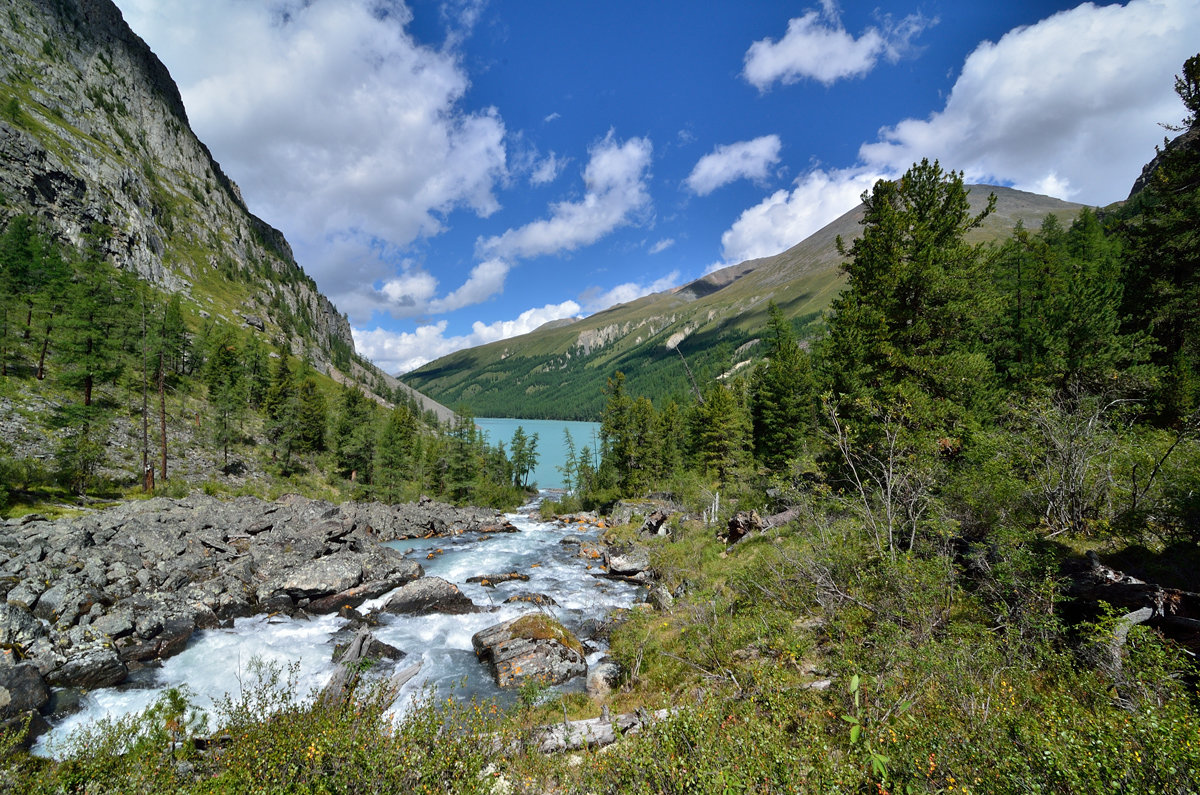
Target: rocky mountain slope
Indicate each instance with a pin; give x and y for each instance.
(95, 141)
(712, 323)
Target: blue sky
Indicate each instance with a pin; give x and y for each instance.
(452, 172)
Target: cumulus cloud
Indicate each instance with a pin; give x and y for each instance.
(817, 46)
(486, 279)
(334, 119)
(400, 352)
(596, 299)
(1066, 106)
(546, 170)
(730, 162)
(615, 191)
(785, 218)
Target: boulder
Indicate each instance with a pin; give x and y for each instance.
(603, 677)
(531, 647)
(660, 598)
(656, 524)
(65, 602)
(539, 599)
(98, 666)
(321, 577)
(18, 626)
(22, 689)
(430, 595)
(115, 624)
(627, 560)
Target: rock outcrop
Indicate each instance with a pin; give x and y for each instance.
(99, 139)
(86, 600)
(532, 647)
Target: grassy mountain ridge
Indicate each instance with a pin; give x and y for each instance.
(558, 370)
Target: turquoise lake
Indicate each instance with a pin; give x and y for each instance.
(551, 446)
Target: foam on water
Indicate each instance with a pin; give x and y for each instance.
(216, 661)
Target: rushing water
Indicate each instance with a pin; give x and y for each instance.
(551, 446)
(216, 660)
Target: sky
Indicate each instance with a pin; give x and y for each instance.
(455, 172)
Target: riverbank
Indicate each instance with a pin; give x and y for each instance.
(93, 600)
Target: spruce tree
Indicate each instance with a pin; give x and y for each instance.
(911, 327)
(782, 395)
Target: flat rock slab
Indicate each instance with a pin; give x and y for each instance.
(430, 595)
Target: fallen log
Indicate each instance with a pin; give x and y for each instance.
(593, 732)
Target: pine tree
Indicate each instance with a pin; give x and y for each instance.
(394, 454)
(1162, 284)
(722, 439)
(782, 395)
(353, 434)
(912, 324)
(226, 390)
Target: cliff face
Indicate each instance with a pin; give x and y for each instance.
(94, 139)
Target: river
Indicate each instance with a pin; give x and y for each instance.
(216, 660)
(551, 447)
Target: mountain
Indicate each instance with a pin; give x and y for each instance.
(559, 370)
(95, 142)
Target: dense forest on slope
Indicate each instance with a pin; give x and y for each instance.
(114, 388)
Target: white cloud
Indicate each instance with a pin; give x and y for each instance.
(1067, 106)
(662, 245)
(412, 288)
(615, 185)
(546, 170)
(595, 299)
(730, 162)
(335, 121)
(400, 352)
(785, 218)
(486, 279)
(552, 117)
(817, 46)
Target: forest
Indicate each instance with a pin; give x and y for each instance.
(972, 432)
(133, 387)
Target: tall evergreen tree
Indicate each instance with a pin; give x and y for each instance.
(912, 324)
(1061, 296)
(353, 434)
(226, 383)
(722, 432)
(782, 395)
(1162, 284)
(394, 454)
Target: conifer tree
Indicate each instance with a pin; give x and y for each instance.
(722, 426)
(911, 325)
(354, 434)
(782, 395)
(1162, 284)
(226, 390)
(394, 454)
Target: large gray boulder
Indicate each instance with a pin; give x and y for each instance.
(22, 689)
(430, 595)
(321, 577)
(18, 626)
(99, 666)
(627, 561)
(531, 647)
